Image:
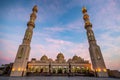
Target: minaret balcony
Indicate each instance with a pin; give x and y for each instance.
(88, 24)
(31, 24)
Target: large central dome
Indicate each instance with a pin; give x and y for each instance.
(44, 58)
(60, 58)
(60, 55)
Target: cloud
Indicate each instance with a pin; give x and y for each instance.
(18, 13)
(9, 44)
(49, 11)
(58, 41)
(105, 19)
(54, 46)
(110, 47)
(4, 60)
(55, 29)
(75, 26)
(108, 17)
(7, 51)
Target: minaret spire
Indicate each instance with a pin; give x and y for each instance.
(95, 52)
(31, 25)
(20, 63)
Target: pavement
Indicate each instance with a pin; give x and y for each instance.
(56, 78)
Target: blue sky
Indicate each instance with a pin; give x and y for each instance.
(60, 28)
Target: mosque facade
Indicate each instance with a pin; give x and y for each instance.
(46, 65)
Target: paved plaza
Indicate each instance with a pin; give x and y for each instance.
(56, 78)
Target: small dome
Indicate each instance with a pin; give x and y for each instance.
(44, 58)
(77, 59)
(60, 55)
(50, 60)
(69, 60)
(33, 59)
(80, 59)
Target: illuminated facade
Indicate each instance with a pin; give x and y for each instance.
(60, 65)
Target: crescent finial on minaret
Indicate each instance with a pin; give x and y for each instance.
(35, 8)
(84, 10)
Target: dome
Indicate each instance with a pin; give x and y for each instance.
(80, 59)
(60, 55)
(69, 60)
(44, 58)
(75, 57)
(60, 58)
(50, 60)
(33, 59)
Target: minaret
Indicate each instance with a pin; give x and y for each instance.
(20, 63)
(95, 52)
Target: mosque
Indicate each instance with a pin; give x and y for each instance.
(21, 65)
(60, 65)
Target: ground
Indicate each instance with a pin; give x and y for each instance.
(56, 78)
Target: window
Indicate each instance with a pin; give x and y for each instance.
(20, 54)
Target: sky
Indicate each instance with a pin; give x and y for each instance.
(59, 27)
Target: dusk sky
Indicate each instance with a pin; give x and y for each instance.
(59, 27)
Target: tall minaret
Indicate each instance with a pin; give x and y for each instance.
(95, 52)
(20, 63)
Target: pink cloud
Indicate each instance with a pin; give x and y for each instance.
(58, 42)
(8, 51)
(110, 47)
(110, 14)
(4, 59)
(54, 46)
